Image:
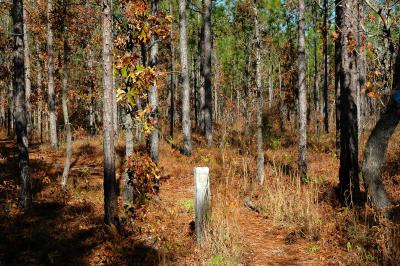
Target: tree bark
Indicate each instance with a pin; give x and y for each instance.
(207, 10)
(172, 83)
(348, 172)
(67, 124)
(39, 85)
(186, 123)
(50, 88)
(25, 196)
(260, 142)
(316, 80)
(110, 185)
(375, 149)
(302, 94)
(27, 56)
(338, 52)
(153, 94)
(325, 56)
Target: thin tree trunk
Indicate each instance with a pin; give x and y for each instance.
(92, 119)
(302, 94)
(153, 94)
(186, 123)
(172, 83)
(207, 8)
(325, 56)
(260, 142)
(110, 184)
(52, 111)
(25, 196)
(338, 52)
(316, 79)
(128, 188)
(348, 172)
(67, 124)
(27, 56)
(39, 95)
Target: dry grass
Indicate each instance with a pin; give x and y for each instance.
(286, 201)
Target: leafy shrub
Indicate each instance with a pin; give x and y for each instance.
(143, 176)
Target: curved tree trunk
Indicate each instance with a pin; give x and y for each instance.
(110, 184)
(52, 111)
(260, 142)
(68, 157)
(186, 123)
(25, 197)
(153, 141)
(302, 107)
(375, 150)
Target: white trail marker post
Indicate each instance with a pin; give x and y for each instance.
(202, 199)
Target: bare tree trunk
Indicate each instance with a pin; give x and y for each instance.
(186, 123)
(348, 172)
(39, 95)
(110, 185)
(302, 94)
(325, 56)
(207, 8)
(92, 119)
(67, 124)
(316, 79)
(260, 142)
(338, 52)
(25, 196)
(52, 111)
(27, 56)
(153, 94)
(172, 83)
(361, 65)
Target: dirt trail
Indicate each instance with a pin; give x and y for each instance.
(264, 243)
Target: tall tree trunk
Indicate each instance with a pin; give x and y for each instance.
(186, 123)
(325, 55)
(27, 56)
(316, 79)
(338, 52)
(348, 172)
(153, 94)
(375, 149)
(207, 8)
(302, 94)
(50, 88)
(25, 196)
(110, 184)
(361, 65)
(260, 142)
(67, 124)
(172, 83)
(39, 94)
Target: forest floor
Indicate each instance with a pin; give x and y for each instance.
(65, 228)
